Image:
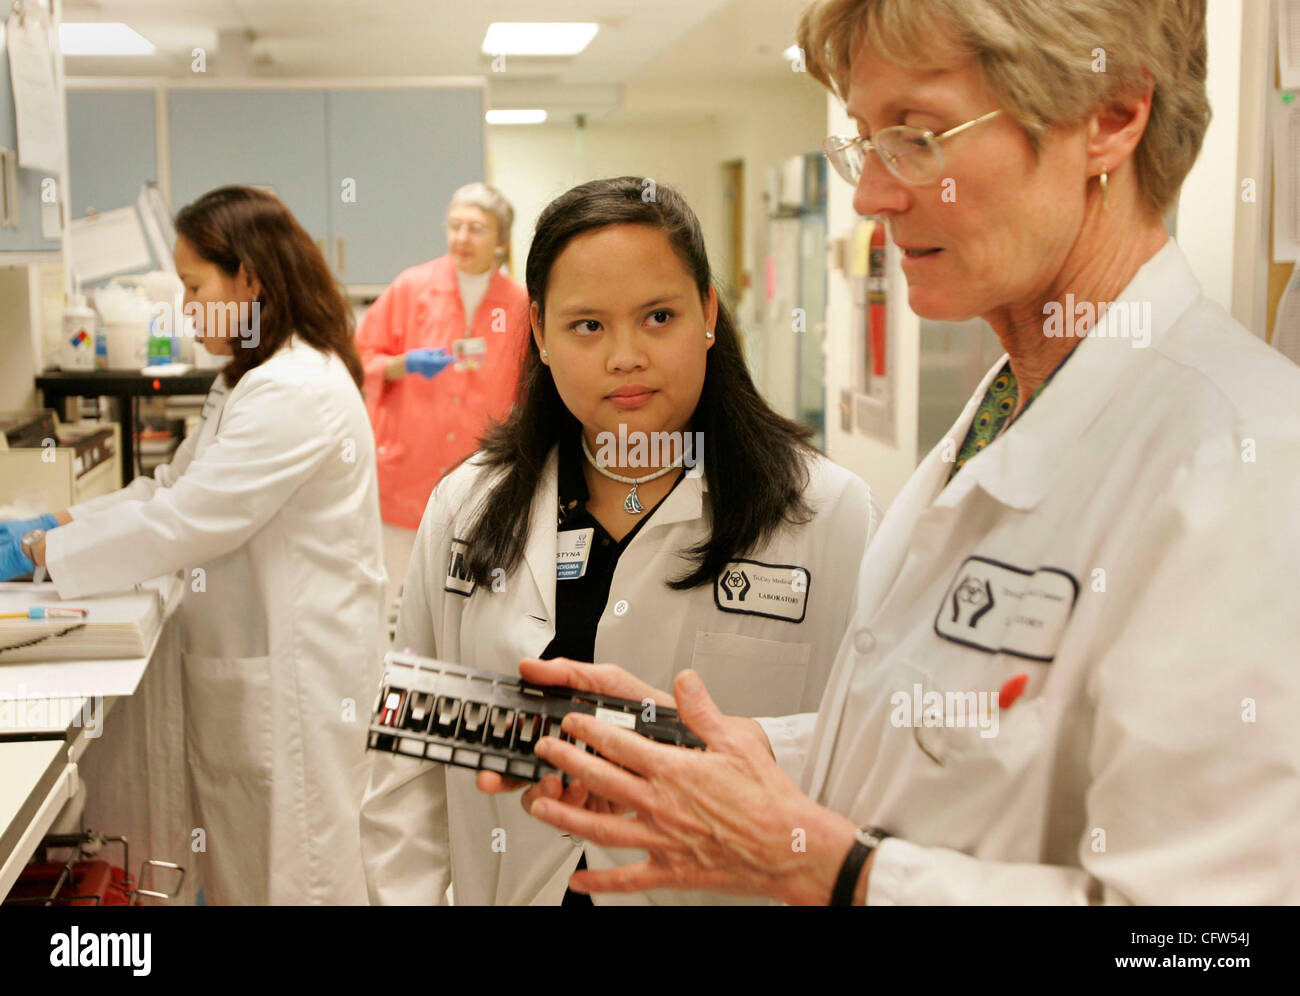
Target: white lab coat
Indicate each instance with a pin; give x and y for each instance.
(1156, 758)
(271, 510)
(423, 824)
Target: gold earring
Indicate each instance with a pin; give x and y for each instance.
(1104, 191)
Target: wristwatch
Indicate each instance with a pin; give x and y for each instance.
(29, 542)
(865, 840)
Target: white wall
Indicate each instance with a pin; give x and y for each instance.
(677, 135)
(764, 127)
(533, 164)
(1211, 195)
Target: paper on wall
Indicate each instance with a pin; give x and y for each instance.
(1286, 180)
(37, 110)
(157, 225)
(104, 244)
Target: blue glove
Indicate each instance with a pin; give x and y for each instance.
(18, 528)
(428, 362)
(13, 563)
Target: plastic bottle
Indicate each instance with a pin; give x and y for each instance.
(166, 336)
(77, 343)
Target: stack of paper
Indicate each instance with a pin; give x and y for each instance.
(122, 625)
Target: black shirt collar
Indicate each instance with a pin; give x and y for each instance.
(573, 491)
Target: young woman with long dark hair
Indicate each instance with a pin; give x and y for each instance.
(642, 503)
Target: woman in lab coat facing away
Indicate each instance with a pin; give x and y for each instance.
(271, 510)
(561, 538)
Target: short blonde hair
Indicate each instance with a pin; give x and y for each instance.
(487, 198)
(1038, 58)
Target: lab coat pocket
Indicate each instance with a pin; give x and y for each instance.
(228, 714)
(751, 677)
(961, 726)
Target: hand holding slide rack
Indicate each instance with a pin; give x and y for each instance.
(487, 721)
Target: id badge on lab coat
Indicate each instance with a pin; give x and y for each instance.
(571, 550)
(470, 353)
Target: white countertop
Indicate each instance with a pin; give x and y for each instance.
(35, 782)
(49, 714)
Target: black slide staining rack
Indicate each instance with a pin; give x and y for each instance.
(488, 721)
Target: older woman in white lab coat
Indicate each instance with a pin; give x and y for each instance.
(1072, 674)
(271, 511)
(742, 566)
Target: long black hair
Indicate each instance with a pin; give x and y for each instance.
(755, 461)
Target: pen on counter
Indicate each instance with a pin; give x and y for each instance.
(47, 612)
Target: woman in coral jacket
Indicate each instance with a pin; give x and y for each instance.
(428, 407)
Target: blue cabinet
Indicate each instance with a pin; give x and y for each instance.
(264, 138)
(395, 158)
(27, 205)
(111, 148)
(368, 171)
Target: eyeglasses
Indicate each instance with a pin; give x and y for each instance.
(473, 226)
(911, 154)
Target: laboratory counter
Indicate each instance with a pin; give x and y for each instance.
(132, 781)
(126, 385)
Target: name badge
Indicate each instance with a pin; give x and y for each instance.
(469, 353)
(1000, 609)
(458, 578)
(775, 591)
(571, 549)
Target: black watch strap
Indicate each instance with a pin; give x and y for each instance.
(864, 842)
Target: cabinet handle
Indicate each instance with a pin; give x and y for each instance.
(14, 220)
(338, 253)
(9, 188)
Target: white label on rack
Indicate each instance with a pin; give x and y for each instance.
(615, 717)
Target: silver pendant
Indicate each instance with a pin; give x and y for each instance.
(631, 504)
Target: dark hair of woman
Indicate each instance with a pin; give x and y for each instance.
(233, 225)
(754, 459)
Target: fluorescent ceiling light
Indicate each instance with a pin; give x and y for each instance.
(107, 38)
(536, 38)
(516, 117)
